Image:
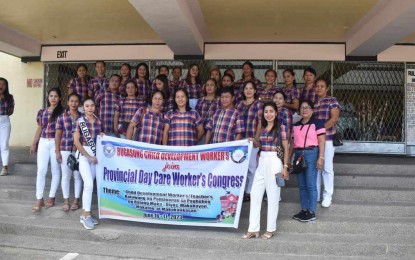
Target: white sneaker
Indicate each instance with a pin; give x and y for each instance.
(326, 203)
(4, 172)
(87, 222)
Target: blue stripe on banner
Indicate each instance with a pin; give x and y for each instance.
(229, 148)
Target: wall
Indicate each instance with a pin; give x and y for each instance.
(28, 100)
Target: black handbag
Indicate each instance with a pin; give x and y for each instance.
(73, 162)
(300, 164)
(337, 140)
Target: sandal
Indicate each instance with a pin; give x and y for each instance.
(50, 203)
(250, 235)
(65, 206)
(247, 197)
(267, 235)
(75, 206)
(38, 205)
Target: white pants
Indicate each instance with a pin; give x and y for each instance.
(5, 128)
(66, 177)
(327, 173)
(253, 164)
(46, 151)
(264, 180)
(87, 171)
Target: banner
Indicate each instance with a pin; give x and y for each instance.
(198, 186)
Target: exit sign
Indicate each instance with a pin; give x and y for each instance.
(410, 76)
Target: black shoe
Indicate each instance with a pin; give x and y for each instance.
(300, 215)
(308, 217)
(247, 197)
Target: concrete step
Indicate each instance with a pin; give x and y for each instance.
(123, 235)
(383, 168)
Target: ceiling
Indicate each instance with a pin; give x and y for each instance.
(48, 22)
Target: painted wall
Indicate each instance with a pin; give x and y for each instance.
(27, 100)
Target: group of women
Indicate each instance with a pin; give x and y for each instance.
(280, 121)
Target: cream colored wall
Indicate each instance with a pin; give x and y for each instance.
(27, 100)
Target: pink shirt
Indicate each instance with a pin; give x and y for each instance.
(300, 130)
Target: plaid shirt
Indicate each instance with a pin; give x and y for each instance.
(194, 90)
(127, 108)
(48, 128)
(269, 143)
(240, 84)
(267, 94)
(79, 87)
(286, 118)
(310, 94)
(182, 131)
(149, 126)
(143, 87)
(206, 108)
(93, 128)
(98, 84)
(167, 105)
(252, 115)
(225, 124)
(67, 126)
(291, 93)
(4, 106)
(107, 101)
(123, 87)
(322, 110)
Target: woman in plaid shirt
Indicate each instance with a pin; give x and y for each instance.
(161, 83)
(142, 79)
(327, 109)
(217, 76)
(125, 109)
(149, 121)
(87, 159)
(44, 144)
(227, 82)
(247, 75)
(125, 73)
(309, 90)
(271, 137)
(207, 105)
(292, 102)
(65, 126)
(6, 110)
(251, 110)
(183, 125)
(266, 93)
(79, 85)
(192, 84)
(284, 115)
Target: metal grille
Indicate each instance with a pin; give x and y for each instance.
(371, 95)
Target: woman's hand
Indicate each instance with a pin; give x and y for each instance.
(32, 150)
(320, 163)
(285, 174)
(254, 142)
(59, 157)
(93, 159)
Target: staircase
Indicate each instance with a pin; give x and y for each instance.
(372, 216)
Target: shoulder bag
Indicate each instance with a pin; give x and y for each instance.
(300, 164)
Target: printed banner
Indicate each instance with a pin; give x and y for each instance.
(198, 186)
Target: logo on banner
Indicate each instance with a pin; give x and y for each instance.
(238, 156)
(109, 150)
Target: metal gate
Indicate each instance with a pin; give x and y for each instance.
(371, 94)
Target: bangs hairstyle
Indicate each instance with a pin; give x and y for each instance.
(291, 71)
(252, 68)
(7, 96)
(282, 93)
(147, 76)
(244, 86)
(59, 108)
(198, 79)
(311, 70)
(264, 122)
(163, 78)
(175, 106)
(87, 99)
(154, 93)
(216, 85)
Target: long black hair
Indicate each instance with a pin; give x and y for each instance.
(253, 85)
(291, 71)
(252, 68)
(198, 79)
(59, 108)
(7, 96)
(147, 76)
(264, 122)
(218, 89)
(163, 78)
(175, 107)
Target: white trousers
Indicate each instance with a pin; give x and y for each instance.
(253, 164)
(264, 180)
(5, 128)
(87, 171)
(67, 175)
(327, 173)
(46, 151)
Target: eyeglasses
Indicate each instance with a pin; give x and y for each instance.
(305, 108)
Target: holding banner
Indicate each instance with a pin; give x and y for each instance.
(198, 186)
